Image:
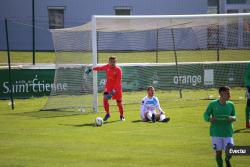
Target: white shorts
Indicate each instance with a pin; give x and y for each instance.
(221, 143)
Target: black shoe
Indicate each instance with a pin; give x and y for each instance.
(153, 118)
(166, 119)
(106, 117)
(228, 164)
(122, 118)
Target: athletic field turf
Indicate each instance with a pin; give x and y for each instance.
(129, 57)
(29, 137)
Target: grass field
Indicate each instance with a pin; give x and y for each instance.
(29, 137)
(26, 57)
(129, 57)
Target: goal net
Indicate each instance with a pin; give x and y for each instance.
(182, 56)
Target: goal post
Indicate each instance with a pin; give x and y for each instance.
(182, 46)
(94, 60)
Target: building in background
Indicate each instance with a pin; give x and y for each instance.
(239, 32)
(50, 14)
(228, 6)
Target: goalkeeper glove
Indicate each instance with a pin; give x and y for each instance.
(108, 96)
(87, 71)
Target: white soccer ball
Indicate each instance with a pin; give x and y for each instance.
(98, 121)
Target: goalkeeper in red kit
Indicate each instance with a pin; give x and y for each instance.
(113, 86)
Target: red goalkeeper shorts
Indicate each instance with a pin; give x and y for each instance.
(117, 96)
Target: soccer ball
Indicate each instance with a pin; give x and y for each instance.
(98, 121)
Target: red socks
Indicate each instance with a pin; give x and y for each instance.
(120, 106)
(106, 106)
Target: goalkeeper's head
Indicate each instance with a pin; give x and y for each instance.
(112, 61)
(150, 91)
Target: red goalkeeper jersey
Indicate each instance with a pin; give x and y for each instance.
(114, 79)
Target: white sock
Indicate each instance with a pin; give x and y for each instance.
(149, 116)
(162, 117)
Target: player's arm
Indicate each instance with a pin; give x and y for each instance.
(97, 68)
(100, 68)
(143, 106)
(208, 114)
(158, 106)
(232, 117)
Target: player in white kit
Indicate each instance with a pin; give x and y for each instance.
(149, 105)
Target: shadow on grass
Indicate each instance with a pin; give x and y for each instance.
(46, 114)
(137, 121)
(243, 130)
(88, 124)
(141, 121)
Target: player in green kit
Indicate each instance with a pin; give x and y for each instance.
(247, 83)
(221, 114)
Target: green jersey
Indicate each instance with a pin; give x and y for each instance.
(221, 127)
(247, 75)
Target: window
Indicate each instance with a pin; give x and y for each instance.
(213, 7)
(122, 10)
(56, 17)
(212, 2)
(238, 1)
(212, 10)
(232, 11)
(246, 11)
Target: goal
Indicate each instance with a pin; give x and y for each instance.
(177, 54)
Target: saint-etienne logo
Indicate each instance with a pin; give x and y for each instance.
(35, 86)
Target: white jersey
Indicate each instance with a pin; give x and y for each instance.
(150, 104)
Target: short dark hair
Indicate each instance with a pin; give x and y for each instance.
(224, 88)
(150, 87)
(112, 58)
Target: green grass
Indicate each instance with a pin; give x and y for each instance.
(29, 137)
(128, 57)
(26, 57)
